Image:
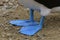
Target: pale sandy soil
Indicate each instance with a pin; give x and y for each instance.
(50, 31)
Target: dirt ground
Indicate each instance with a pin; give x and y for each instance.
(50, 31)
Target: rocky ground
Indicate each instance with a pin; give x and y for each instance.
(10, 10)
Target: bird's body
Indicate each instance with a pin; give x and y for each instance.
(49, 3)
(30, 4)
(45, 6)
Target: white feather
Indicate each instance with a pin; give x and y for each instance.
(56, 9)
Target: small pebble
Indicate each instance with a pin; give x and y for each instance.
(1, 4)
(5, 1)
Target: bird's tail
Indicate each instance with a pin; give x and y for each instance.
(56, 9)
